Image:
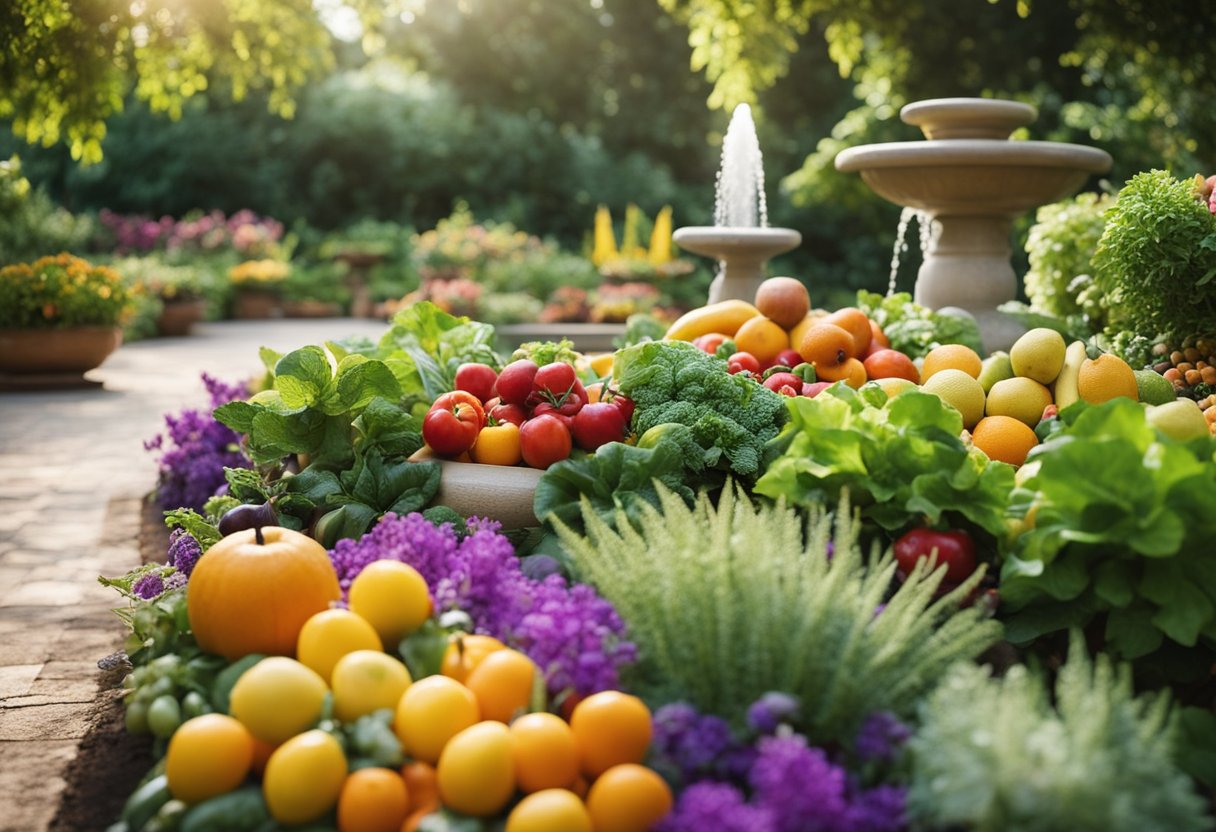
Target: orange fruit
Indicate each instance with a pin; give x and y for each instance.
(545, 753)
(372, 800)
(431, 712)
(856, 323)
(888, 363)
(763, 338)
(421, 785)
(551, 810)
(208, 756)
(416, 817)
(393, 597)
(826, 345)
(852, 372)
(951, 357)
(628, 798)
(783, 300)
(1004, 438)
(1106, 377)
(476, 772)
(610, 728)
(502, 684)
(465, 652)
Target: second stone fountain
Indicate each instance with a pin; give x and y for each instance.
(972, 182)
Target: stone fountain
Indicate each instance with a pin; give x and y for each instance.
(972, 182)
(740, 239)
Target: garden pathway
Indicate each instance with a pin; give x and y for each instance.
(72, 473)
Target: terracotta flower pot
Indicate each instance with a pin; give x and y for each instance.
(46, 358)
(179, 316)
(257, 303)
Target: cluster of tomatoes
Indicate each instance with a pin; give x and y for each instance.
(529, 413)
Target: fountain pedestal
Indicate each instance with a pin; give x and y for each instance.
(741, 254)
(972, 182)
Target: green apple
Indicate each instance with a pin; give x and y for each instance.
(996, 367)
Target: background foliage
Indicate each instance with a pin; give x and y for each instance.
(534, 112)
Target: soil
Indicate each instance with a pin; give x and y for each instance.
(110, 762)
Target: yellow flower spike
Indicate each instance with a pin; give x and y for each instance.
(660, 238)
(629, 239)
(605, 239)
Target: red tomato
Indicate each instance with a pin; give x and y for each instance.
(955, 549)
(477, 379)
(544, 440)
(514, 383)
(451, 426)
(742, 361)
(512, 413)
(789, 358)
(709, 343)
(554, 380)
(598, 424)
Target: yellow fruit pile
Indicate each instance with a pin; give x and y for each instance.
(471, 744)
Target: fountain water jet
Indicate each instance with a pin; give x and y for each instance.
(740, 239)
(972, 182)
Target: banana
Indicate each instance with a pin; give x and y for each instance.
(724, 316)
(1064, 390)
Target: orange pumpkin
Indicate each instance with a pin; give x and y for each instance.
(253, 590)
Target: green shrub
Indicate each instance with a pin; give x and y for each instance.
(727, 602)
(1156, 261)
(996, 755)
(1060, 247)
(33, 226)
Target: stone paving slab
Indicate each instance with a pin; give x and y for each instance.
(72, 473)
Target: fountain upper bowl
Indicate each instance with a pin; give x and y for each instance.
(971, 176)
(727, 241)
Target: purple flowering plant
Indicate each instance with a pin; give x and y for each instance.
(769, 778)
(195, 449)
(574, 636)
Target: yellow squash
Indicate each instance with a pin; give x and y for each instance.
(724, 316)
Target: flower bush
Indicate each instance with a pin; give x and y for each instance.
(244, 232)
(61, 291)
(259, 274)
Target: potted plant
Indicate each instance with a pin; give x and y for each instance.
(258, 285)
(59, 318)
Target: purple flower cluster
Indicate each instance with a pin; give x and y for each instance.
(154, 584)
(244, 231)
(199, 448)
(184, 552)
(881, 738)
(777, 784)
(573, 635)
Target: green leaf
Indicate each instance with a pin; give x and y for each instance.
(1197, 744)
(1131, 633)
(414, 484)
(195, 525)
(389, 428)
(1184, 609)
(303, 377)
(361, 380)
(237, 415)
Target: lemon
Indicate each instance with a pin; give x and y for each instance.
(1019, 397)
(1038, 354)
(304, 777)
(278, 698)
(959, 390)
(996, 367)
(1180, 419)
(476, 771)
(393, 597)
(1154, 388)
(331, 634)
(366, 681)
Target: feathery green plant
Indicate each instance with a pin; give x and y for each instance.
(728, 602)
(993, 754)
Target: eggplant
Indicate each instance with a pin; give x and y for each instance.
(248, 516)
